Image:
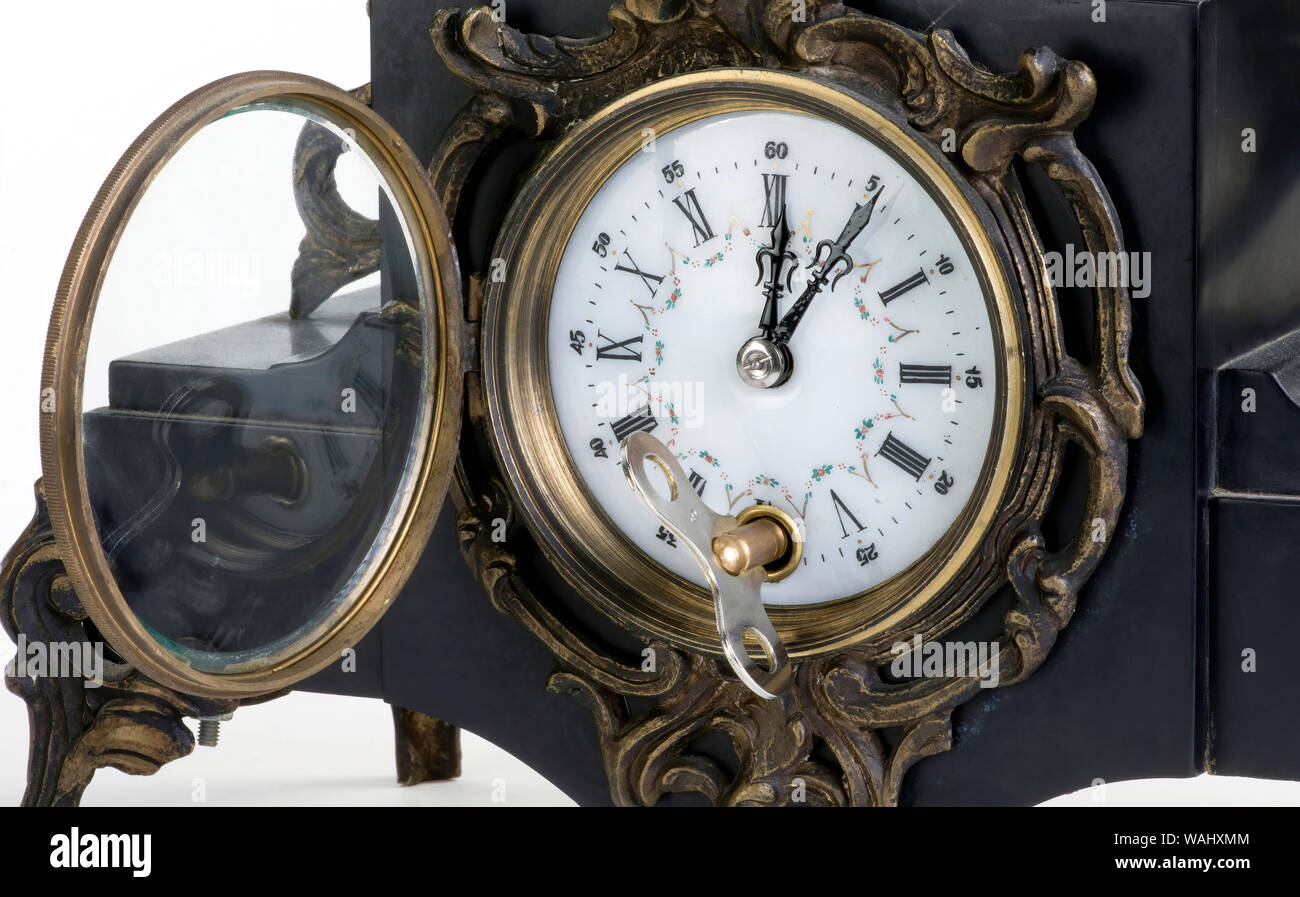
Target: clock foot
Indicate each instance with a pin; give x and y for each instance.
(87, 710)
(428, 750)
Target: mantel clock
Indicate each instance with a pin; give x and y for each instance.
(764, 377)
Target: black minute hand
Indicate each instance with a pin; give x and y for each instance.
(776, 256)
(837, 253)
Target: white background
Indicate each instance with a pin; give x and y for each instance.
(82, 79)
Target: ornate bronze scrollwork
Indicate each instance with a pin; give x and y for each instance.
(824, 744)
(341, 246)
(128, 722)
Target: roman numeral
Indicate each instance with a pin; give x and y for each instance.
(642, 421)
(908, 459)
(698, 483)
(897, 290)
(618, 350)
(695, 215)
(840, 510)
(925, 373)
(645, 278)
(773, 200)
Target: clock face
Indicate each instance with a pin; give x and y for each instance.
(728, 229)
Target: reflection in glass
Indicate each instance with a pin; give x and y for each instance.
(252, 395)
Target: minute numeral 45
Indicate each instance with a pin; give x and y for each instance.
(925, 373)
(618, 350)
(908, 459)
(689, 204)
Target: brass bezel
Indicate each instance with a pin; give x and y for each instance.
(65, 356)
(591, 553)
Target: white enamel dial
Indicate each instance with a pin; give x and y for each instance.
(876, 441)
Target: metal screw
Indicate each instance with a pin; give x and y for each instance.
(209, 732)
(210, 729)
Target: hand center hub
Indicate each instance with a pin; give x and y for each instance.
(764, 364)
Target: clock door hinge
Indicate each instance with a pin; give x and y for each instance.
(470, 336)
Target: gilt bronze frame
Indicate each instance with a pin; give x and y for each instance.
(824, 744)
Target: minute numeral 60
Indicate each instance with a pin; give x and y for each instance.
(776, 150)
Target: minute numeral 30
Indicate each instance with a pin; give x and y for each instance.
(908, 459)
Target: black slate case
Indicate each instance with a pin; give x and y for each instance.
(1146, 681)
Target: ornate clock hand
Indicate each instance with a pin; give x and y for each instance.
(837, 252)
(777, 255)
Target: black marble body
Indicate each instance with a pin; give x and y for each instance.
(1146, 680)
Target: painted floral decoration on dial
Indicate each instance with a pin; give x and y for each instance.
(784, 305)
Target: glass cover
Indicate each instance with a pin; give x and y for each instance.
(252, 411)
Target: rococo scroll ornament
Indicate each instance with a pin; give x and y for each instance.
(847, 731)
